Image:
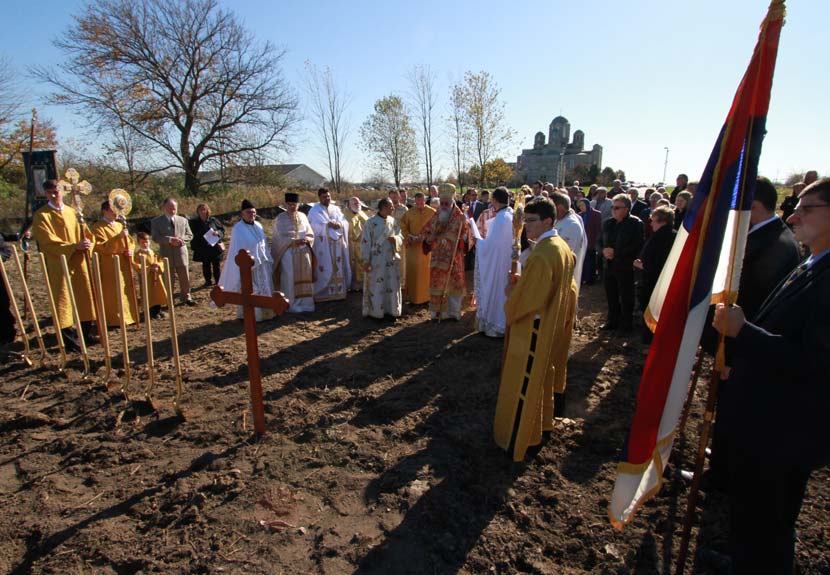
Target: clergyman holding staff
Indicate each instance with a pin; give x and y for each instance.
(58, 232)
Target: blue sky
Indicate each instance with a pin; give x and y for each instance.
(636, 76)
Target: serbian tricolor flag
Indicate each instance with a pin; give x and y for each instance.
(703, 267)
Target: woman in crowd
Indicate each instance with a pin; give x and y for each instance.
(681, 204)
(204, 226)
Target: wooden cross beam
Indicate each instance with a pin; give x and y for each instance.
(248, 300)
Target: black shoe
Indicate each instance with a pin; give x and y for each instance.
(190, 302)
(609, 327)
(716, 561)
(70, 340)
(558, 404)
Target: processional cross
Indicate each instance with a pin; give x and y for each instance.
(248, 300)
(76, 188)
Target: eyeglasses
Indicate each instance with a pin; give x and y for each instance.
(803, 210)
(617, 207)
(532, 220)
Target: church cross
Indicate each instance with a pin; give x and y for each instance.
(76, 188)
(248, 300)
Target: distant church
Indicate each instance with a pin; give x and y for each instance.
(550, 162)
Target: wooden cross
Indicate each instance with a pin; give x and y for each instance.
(248, 300)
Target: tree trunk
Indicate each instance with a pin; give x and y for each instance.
(191, 179)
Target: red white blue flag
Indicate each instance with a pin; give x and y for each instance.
(703, 267)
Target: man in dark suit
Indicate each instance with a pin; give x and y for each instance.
(771, 250)
(622, 239)
(479, 203)
(771, 254)
(637, 205)
(779, 398)
(172, 233)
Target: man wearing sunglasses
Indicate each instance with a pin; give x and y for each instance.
(621, 241)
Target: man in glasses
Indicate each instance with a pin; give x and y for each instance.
(621, 241)
(776, 410)
(536, 311)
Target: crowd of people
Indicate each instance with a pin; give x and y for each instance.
(530, 252)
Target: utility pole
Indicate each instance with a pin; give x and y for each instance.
(665, 165)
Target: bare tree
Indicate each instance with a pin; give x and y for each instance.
(328, 103)
(388, 135)
(456, 125)
(422, 84)
(483, 116)
(10, 96)
(182, 75)
(133, 150)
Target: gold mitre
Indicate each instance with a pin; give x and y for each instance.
(446, 191)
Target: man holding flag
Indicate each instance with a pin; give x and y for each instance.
(776, 410)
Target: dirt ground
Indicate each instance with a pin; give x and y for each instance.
(378, 458)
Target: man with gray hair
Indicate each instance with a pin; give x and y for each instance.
(172, 233)
(446, 234)
(356, 218)
(571, 229)
(615, 189)
(621, 240)
(601, 203)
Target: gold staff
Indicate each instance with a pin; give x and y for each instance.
(149, 331)
(99, 294)
(77, 189)
(54, 309)
(125, 385)
(27, 298)
(16, 312)
(67, 278)
(122, 204)
(174, 339)
(452, 264)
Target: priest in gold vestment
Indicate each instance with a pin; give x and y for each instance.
(58, 232)
(113, 239)
(537, 312)
(292, 241)
(417, 262)
(446, 234)
(357, 218)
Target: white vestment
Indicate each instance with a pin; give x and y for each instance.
(492, 270)
(294, 262)
(572, 230)
(331, 246)
(382, 285)
(249, 237)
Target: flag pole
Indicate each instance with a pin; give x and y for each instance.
(775, 10)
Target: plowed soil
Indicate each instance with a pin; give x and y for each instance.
(378, 457)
